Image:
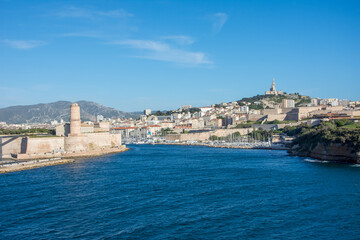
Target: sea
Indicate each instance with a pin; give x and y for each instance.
(183, 192)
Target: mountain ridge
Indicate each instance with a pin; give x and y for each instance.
(46, 112)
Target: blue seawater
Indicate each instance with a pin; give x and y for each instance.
(183, 192)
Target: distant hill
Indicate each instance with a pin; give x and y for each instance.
(271, 101)
(46, 112)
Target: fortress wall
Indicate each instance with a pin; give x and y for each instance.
(195, 136)
(255, 117)
(271, 111)
(188, 136)
(286, 110)
(355, 113)
(310, 109)
(227, 132)
(11, 145)
(76, 144)
(44, 145)
(115, 140)
(280, 117)
(282, 125)
(173, 137)
(206, 135)
(98, 140)
(92, 141)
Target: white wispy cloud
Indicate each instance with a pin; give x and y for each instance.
(82, 34)
(164, 52)
(219, 19)
(24, 44)
(144, 44)
(76, 12)
(180, 39)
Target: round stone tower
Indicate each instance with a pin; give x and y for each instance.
(75, 122)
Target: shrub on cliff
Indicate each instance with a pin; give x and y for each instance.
(328, 132)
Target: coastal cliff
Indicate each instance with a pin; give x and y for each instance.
(337, 141)
(336, 152)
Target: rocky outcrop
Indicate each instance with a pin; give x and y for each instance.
(336, 152)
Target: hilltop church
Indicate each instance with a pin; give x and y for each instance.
(273, 90)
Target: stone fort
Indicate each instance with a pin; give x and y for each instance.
(74, 144)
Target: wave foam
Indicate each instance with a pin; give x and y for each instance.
(315, 160)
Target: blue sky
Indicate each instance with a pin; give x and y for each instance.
(133, 55)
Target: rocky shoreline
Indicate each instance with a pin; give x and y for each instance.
(334, 152)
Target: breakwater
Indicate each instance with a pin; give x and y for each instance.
(37, 161)
(26, 165)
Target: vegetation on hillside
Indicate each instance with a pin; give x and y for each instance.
(226, 138)
(191, 110)
(279, 122)
(257, 102)
(261, 135)
(164, 113)
(339, 131)
(303, 101)
(166, 131)
(247, 124)
(26, 131)
(184, 111)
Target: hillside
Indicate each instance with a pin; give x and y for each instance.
(46, 112)
(337, 140)
(272, 101)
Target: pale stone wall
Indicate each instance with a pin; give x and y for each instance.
(172, 137)
(271, 111)
(227, 132)
(62, 129)
(355, 113)
(286, 110)
(206, 135)
(92, 141)
(255, 117)
(306, 112)
(188, 136)
(44, 145)
(115, 140)
(280, 117)
(11, 145)
(39, 146)
(87, 129)
(167, 125)
(292, 115)
(282, 125)
(102, 127)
